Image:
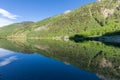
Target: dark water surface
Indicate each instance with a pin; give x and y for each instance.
(58, 60)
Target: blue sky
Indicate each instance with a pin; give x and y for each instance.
(34, 10)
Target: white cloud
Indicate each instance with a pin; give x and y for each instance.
(67, 11)
(5, 53)
(7, 14)
(8, 61)
(4, 22)
(6, 57)
(6, 17)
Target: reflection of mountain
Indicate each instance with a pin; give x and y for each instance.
(15, 46)
(91, 56)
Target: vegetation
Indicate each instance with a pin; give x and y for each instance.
(94, 19)
(90, 56)
(14, 29)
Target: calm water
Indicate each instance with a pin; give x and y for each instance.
(21, 66)
(57, 60)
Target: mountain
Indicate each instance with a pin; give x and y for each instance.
(94, 19)
(14, 29)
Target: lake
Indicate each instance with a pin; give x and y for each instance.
(58, 60)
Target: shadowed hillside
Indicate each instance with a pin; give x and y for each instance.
(111, 38)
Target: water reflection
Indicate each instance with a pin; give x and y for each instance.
(110, 39)
(20, 66)
(95, 57)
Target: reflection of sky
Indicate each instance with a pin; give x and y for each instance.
(4, 53)
(6, 57)
(39, 66)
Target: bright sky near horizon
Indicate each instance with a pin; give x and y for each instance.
(12, 11)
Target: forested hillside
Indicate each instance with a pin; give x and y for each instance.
(94, 19)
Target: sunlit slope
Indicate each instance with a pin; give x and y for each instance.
(14, 29)
(94, 19)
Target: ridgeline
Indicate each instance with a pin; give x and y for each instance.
(94, 19)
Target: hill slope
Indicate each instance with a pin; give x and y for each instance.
(14, 29)
(94, 19)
